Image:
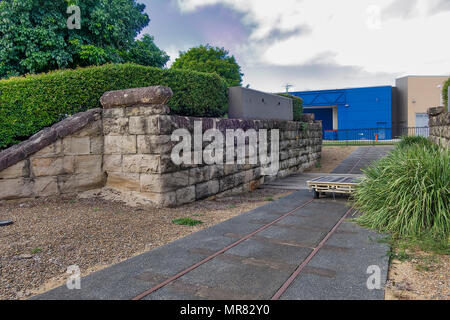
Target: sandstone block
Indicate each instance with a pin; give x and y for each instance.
(80, 182)
(16, 171)
(204, 190)
(97, 144)
(120, 144)
(88, 164)
(45, 186)
(115, 126)
(185, 195)
(124, 181)
(52, 166)
(140, 163)
(137, 125)
(16, 188)
(76, 146)
(112, 163)
(164, 182)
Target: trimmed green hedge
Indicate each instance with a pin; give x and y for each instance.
(29, 104)
(445, 94)
(297, 104)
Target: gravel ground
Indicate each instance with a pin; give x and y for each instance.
(50, 234)
(425, 277)
(331, 158)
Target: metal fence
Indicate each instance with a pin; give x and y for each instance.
(371, 136)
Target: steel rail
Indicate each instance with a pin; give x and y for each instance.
(198, 264)
(296, 273)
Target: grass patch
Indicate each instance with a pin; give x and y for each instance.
(231, 206)
(36, 250)
(187, 222)
(269, 199)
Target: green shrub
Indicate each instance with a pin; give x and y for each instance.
(415, 140)
(28, 104)
(297, 104)
(407, 193)
(445, 94)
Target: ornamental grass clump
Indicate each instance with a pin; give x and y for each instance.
(407, 193)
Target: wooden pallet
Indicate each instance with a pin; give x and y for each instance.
(343, 184)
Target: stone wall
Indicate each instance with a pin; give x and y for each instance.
(63, 159)
(138, 150)
(128, 146)
(439, 126)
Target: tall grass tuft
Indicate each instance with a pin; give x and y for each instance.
(407, 193)
(415, 140)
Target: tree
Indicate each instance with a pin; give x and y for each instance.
(210, 59)
(34, 36)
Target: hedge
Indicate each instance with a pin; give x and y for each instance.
(29, 104)
(297, 104)
(445, 94)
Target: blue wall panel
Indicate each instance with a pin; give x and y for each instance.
(358, 108)
(326, 115)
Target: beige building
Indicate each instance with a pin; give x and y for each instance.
(415, 94)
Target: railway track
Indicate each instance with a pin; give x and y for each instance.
(285, 285)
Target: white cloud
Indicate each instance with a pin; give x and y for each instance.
(405, 38)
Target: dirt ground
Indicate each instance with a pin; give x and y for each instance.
(48, 235)
(331, 158)
(424, 277)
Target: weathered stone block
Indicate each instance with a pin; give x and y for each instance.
(45, 186)
(97, 144)
(18, 170)
(140, 163)
(185, 195)
(53, 149)
(166, 199)
(113, 113)
(199, 174)
(120, 145)
(76, 146)
(164, 182)
(91, 130)
(124, 181)
(16, 188)
(155, 144)
(88, 164)
(139, 96)
(112, 163)
(80, 182)
(52, 166)
(204, 190)
(115, 126)
(137, 125)
(226, 183)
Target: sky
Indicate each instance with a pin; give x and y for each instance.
(311, 44)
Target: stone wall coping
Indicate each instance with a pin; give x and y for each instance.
(157, 95)
(47, 136)
(435, 111)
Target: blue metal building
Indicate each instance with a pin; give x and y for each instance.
(355, 108)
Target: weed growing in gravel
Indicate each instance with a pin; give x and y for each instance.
(36, 250)
(231, 206)
(269, 199)
(198, 215)
(187, 222)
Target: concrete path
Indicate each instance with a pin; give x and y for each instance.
(257, 267)
(361, 158)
